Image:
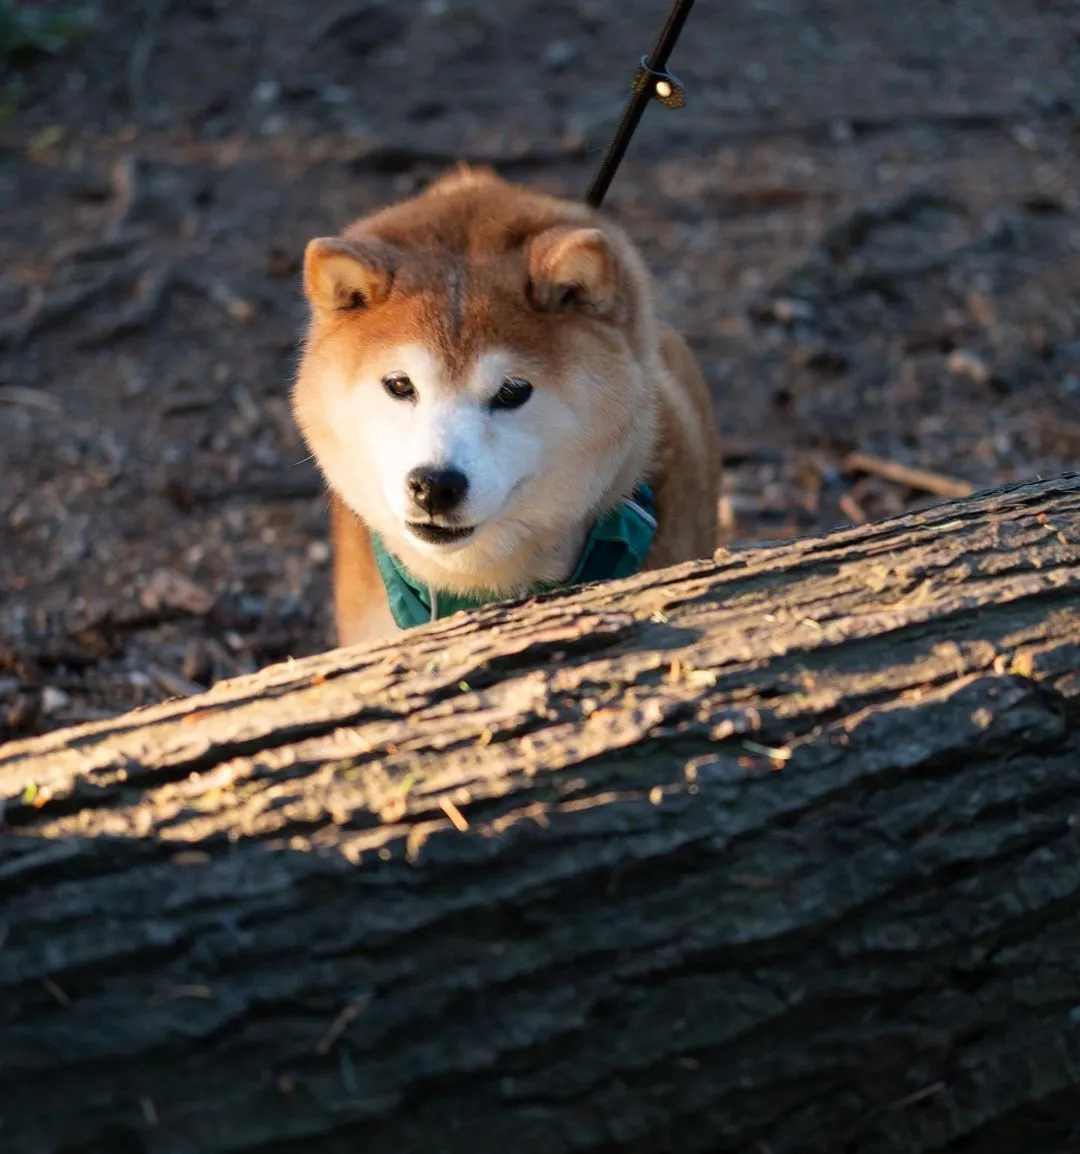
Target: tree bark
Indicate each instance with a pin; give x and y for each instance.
(776, 854)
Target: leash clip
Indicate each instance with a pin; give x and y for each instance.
(662, 86)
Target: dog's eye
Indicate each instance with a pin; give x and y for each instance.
(513, 394)
(400, 387)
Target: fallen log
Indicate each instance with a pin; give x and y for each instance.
(777, 854)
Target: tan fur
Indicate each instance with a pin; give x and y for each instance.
(474, 264)
(361, 611)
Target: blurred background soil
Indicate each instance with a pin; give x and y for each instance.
(866, 221)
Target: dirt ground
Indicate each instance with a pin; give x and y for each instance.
(866, 220)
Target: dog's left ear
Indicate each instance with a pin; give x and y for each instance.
(573, 270)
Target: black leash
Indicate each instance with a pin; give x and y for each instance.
(652, 81)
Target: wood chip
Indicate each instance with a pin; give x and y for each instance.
(169, 589)
(964, 363)
(982, 309)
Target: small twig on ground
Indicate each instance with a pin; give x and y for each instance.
(852, 510)
(457, 818)
(224, 658)
(48, 310)
(217, 293)
(154, 290)
(87, 251)
(919, 1096)
(340, 1024)
(188, 403)
(55, 990)
(127, 185)
(343, 15)
(139, 64)
(153, 294)
(925, 480)
(30, 399)
(173, 683)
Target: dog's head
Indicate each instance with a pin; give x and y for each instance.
(478, 377)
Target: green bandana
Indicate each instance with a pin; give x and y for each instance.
(616, 547)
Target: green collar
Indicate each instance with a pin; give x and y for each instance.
(616, 547)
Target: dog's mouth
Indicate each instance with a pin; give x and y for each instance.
(439, 534)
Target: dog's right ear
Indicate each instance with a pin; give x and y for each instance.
(345, 275)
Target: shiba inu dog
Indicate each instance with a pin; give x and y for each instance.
(494, 405)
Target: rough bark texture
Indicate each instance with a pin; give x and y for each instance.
(772, 855)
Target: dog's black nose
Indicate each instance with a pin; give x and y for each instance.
(437, 490)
